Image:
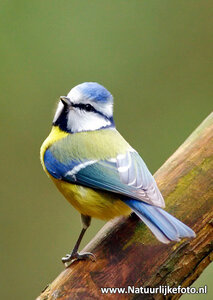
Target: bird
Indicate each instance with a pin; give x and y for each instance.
(98, 172)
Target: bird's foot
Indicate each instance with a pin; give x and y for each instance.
(78, 256)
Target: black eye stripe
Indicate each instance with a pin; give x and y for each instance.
(87, 107)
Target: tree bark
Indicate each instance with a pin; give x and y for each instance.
(129, 255)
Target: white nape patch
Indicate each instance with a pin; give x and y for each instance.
(77, 168)
(78, 120)
(58, 111)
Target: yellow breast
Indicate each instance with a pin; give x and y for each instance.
(94, 203)
(98, 204)
(55, 135)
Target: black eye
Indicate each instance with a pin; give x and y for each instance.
(88, 107)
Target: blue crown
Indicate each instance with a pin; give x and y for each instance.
(95, 91)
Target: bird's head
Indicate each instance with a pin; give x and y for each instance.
(88, 106)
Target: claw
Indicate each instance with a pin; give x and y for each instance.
(86, 255)
(66, 258)
(78, 256)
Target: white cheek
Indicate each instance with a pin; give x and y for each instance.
(58, 111)
(84, 121)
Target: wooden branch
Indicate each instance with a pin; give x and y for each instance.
(128, 254)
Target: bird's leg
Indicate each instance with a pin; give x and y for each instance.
(86, 220)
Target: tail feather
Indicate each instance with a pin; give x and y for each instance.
(164, 226)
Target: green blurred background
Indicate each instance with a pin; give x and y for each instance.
(155, 58)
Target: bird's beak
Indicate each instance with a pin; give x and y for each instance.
(66, 101)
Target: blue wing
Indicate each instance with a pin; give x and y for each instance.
(125, 174)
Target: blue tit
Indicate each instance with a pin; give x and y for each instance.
(97, 171)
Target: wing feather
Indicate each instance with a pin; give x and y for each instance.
(126, 174)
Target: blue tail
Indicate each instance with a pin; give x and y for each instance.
(164, 226)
